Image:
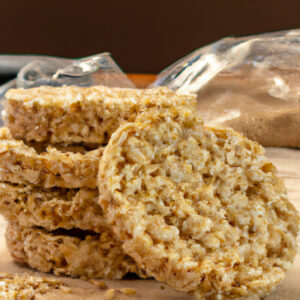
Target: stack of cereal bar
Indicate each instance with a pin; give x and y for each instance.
(49, 157)
(100, 182)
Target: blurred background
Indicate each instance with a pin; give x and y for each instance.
(143, 36)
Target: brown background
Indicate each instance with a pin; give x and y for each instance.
(143, 36)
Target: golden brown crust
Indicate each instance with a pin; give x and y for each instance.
(73, 114)
(199, 208)
(22, 164)
(92, 256)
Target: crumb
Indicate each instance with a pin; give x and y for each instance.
(162, 287)
(110, 294)
(65, 289)
(128, 291)
(100, 284)
(22, 286)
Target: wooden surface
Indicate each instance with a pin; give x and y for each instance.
(288, 164)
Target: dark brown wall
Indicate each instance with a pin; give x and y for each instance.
(143, 36)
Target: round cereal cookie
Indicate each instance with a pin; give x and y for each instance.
(75, 253)
(198, 208)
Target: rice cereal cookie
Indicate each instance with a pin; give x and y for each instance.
(75, 253)
(52, 167)
(71, 114)
(53, 208)
(198, 208)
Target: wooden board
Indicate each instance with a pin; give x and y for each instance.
(288, 164)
